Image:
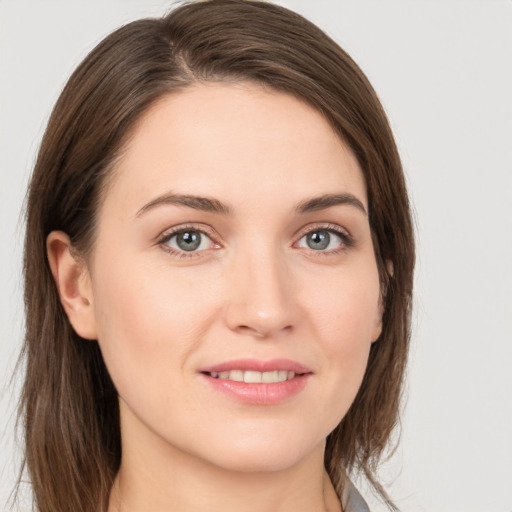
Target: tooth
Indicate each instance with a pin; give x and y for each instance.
(269, 376)
(236, 375)
(252, 377)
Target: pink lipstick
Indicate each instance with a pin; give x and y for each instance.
(258, 382)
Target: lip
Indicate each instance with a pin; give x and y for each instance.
(258, 393)
(258, 366)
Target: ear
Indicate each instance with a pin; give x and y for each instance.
(73, 284)
(381, 305)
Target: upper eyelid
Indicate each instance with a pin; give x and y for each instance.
(347, 240)
(207, 229)
(165, 235)
(168, 233)
(163, 239)
(327, 226)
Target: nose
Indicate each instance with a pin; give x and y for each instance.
(261, 296)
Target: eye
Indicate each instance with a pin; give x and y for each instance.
(187, 240)
(324, 240)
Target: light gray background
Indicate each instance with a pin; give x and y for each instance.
(443, 70)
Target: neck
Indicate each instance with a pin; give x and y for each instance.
(154, 476)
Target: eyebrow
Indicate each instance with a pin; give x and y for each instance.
(209, 204)
(329, 200)
(206, 204)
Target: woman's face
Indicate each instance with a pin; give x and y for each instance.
(233, 283)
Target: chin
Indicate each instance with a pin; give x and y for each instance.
(264, 453)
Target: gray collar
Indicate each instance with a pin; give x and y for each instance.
(351, 500)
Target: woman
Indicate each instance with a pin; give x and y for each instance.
(218, 267)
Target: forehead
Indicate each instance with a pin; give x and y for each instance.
(228, 140)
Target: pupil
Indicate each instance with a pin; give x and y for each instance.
(188, 240)
(318, 240)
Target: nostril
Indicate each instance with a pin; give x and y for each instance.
(252, 330)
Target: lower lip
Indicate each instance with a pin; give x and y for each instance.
(260, 394)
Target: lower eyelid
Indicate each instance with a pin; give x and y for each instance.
(178, 253)
(346, 240)
(333, 233)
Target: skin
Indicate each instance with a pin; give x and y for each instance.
(254, 289)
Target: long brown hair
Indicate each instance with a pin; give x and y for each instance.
(69, 404)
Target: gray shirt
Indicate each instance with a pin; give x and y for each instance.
(351, 500)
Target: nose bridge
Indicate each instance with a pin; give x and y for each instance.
(260, 298)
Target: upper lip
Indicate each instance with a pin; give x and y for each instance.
(258, 366)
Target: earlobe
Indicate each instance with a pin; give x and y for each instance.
(73, 283)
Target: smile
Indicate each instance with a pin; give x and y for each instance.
(256, 382)
(254, 377)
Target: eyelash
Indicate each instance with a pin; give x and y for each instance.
(346, 239)
(168, 235)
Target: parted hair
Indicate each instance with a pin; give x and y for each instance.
(69, 405)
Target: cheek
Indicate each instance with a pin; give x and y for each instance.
(344, 318)
(147, 325)
(344, 307)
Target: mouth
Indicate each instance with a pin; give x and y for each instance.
(258, 382)
(254, 377)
